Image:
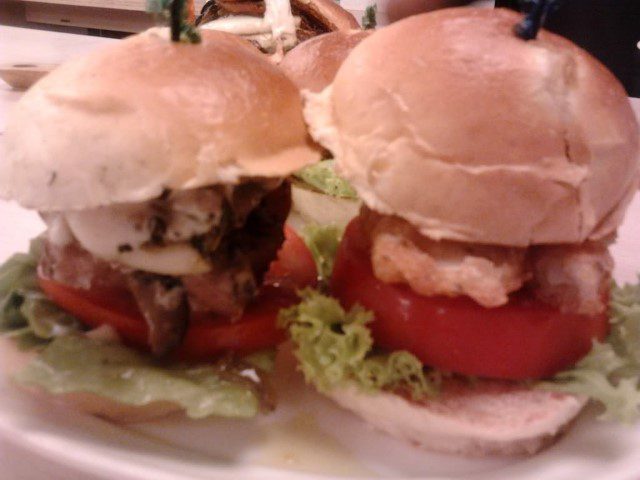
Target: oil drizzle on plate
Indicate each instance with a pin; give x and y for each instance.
(298, 443)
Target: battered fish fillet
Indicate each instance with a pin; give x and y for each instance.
(574, 279)
(487, 274)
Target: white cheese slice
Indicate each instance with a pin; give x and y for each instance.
(173, 259)
(104, 231)
(119, 233)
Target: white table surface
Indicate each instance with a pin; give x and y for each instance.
(20, 45)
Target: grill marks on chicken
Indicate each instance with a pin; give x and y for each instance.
(242, 257)
(179, 216)
(573, 279)
(238, 231)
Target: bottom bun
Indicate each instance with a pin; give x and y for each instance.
(106, 408)
(484, 418)
(13, 360)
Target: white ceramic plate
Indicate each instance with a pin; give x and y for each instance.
(308, 437)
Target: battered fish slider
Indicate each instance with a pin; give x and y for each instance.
(494, 173)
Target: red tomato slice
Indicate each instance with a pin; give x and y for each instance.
(207, 335)
(522, 340)
(294, 268)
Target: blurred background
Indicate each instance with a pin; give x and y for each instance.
(117, 18)
(609, 29)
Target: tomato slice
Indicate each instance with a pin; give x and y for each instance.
(207, 336)
(294, 267)
(524, 339)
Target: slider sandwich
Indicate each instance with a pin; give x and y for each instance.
(472, 307)
(159, 169)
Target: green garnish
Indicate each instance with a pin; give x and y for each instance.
(76, 363)
(322, 177)
(610, 373)
(335, 349)
(323, 242)
(175, 12)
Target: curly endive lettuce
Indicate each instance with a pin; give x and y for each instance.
(69, 361)
(610, 373)
(322, 177)
(335, 349)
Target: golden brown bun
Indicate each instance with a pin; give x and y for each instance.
(327, 13)
(145, 114)
(488, 418)
(14, 360)
(450, 121)
(313, 64)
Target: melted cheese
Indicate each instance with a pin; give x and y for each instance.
(120, 233)
(58, 232)
(105, 230)
(173, 259)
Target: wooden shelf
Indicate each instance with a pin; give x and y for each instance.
(136, 5)
(118, 15)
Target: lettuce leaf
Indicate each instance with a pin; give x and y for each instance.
(335, 348)
(322, 177)
(24, 309)
(76, 363)
(610, 373)
(69, 361)
(323, 242)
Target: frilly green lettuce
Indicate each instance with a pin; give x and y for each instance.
(25, 312)
(76, 363)
(323, 242)
(69, 361)
(610, 373)
(323, 177)
(335, 349)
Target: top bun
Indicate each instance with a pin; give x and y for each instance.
(449, 120)
(146, 114)
(313, 64)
